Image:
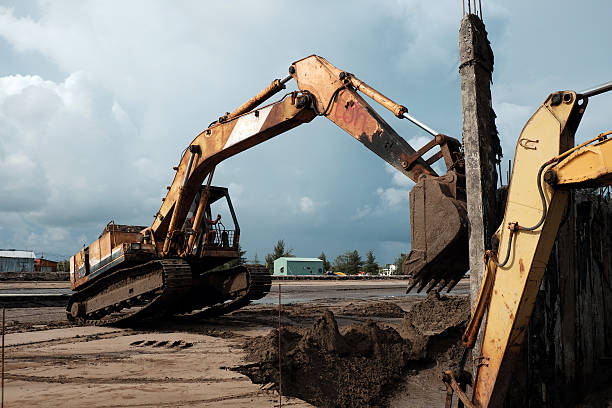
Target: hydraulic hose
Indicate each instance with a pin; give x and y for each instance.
(516, 227)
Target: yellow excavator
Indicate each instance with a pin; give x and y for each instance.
(546, 167)
(174, 266)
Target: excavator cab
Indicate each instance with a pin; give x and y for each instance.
(218, 236)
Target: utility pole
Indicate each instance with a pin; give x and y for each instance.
(481, 144)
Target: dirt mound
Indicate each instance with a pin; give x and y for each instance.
(360, 366)
(373, 309)
(434, 328)
(327, 368)
(437, 313)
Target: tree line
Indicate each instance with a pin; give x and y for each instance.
(349, 262)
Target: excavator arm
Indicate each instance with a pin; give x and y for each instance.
(546, 167)
(438, 257)
(212, 146)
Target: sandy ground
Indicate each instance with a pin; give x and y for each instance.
(181, 364)
(104, 367)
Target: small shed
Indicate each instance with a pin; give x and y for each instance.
(14, 260)
(45, 265)
(298, 266)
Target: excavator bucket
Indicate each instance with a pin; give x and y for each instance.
(439, 233)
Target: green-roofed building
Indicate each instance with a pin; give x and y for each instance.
(298, 266)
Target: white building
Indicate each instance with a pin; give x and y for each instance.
(388, 270)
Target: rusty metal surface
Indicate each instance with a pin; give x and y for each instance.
(439, 223)
(397, 109)
(265, 94)
(457, 382)
(111, 250)
(333, 95)
(347, 109)
(356, 117)
(439, 254)
(437, 204)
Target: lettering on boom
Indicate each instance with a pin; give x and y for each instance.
(353, 116)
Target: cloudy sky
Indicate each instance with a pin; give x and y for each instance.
(99, 99)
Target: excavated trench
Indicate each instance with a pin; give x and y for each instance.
(360, 365)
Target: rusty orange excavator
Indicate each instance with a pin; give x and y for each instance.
(174, 267)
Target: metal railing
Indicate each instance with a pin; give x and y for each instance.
(221, 238)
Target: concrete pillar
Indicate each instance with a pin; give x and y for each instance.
(481, 144)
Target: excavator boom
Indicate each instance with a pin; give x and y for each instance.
(546, 167)
(438, 214)
(176, 258)
(548, 133)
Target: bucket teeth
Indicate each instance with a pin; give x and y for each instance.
(452, 284)
(432, 285)
(413, 283)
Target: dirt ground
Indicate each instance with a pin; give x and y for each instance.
(343, 344)
(223, 361)
(102, 367)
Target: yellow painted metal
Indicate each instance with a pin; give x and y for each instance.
(549, 132)
(214, 145)
(590, 166)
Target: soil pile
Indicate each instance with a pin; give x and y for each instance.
(437, 313)
(326, 368)
(434, 328)
(371, 309)
(360, 366)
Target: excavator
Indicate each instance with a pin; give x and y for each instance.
(178, 266)
(175, 266)
(546, 167)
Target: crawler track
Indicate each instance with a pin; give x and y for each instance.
(260, 282)
(164, 283)
(162, 288)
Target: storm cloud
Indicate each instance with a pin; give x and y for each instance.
(99, 99)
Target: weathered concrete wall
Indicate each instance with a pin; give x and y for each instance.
(481, 143)
(569, 343)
